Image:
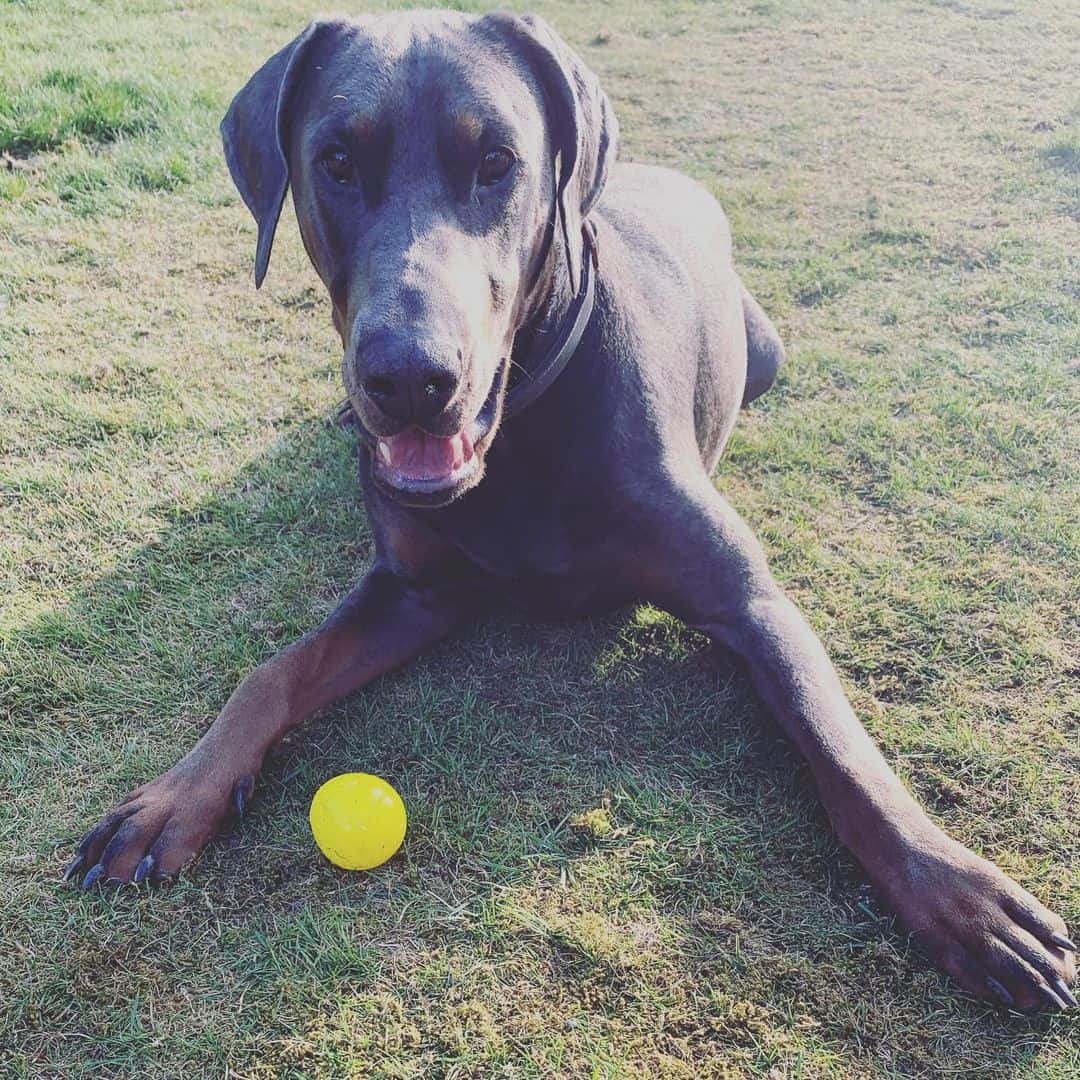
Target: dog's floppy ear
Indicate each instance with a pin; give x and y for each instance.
(581, 122)
(254, 135)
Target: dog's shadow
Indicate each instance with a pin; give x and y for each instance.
(593, 792)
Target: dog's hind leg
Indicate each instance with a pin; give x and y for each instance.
(764, 349)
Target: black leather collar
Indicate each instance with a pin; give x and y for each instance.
(526, 385)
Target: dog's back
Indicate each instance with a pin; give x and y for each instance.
(672, 247)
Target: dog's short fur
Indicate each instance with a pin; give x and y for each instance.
(442, 167)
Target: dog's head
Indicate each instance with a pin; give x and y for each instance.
(441, 166)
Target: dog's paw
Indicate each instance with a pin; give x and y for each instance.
(158, 828)
(991, 935)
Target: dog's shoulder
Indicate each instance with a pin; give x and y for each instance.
(658, 204)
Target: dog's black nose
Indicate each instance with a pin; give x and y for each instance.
(407, 385)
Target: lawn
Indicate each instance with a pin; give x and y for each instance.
(616, 867)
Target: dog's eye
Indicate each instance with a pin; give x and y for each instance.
(494, 165)
(339, 166)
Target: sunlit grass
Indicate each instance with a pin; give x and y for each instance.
(615, 867)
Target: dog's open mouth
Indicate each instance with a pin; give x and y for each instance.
(416, 457)
(430, 469)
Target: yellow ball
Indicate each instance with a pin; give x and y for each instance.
(358, 820)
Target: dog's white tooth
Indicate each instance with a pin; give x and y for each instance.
(384, 449)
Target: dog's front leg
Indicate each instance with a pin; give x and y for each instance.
(161, 825)
(704, 565)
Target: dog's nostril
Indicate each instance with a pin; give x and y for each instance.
(439, 384)
(379, 387)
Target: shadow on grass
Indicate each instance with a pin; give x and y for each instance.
(589, 797)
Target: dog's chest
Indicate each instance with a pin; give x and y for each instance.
(536, 540)
(515, 540)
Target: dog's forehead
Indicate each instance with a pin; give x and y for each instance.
(414, 64)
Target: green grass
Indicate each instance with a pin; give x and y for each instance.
(616, 867)
(67, 105)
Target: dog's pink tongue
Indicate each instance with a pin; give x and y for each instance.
(419, 456)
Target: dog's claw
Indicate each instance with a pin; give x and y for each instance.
(87, 840)
(92, 875)
(1063, 991)
(1052, 995)
(1000, 992)
(1062, 942)
(144, 868)
(241, 793)
(73, 868)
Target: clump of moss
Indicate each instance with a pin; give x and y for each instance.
(596, 823)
